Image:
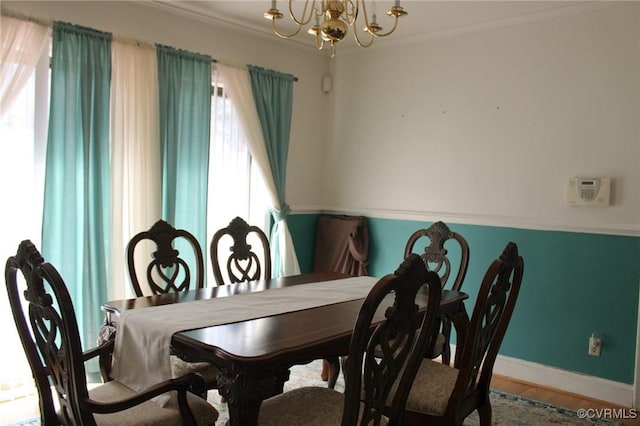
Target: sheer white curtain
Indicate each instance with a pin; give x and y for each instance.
(22, 45)
(135, 153)
(238, 85)
(236, 185)
(23, 130)
(229, 162)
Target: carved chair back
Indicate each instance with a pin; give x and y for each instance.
(437, 258)
(245, 262)
(376, 358)
(491, 316)
(25, 261)
(176, 264)
(54, 352)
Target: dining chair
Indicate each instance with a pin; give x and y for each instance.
(376, 357)
(51, 340)
(170, 270)
(438, 259)
(444, 395)
(244, 262)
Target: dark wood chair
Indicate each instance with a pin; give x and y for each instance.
(375, 359)
(170, 270)
(51, 341)
(444, 395)
(437, 259)
(244, 262)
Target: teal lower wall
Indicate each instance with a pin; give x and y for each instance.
(574, 284)
(303, 232)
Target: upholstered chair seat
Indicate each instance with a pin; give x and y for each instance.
(179, 368)
(432, 388)
(149, 413)
(315, 406)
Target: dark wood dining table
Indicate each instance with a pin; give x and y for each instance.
(254, 356)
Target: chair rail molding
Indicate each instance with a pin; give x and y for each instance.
(632, 230)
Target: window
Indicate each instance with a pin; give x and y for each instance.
(22, 150)
(236, 187)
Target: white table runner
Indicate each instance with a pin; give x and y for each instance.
(143, 338)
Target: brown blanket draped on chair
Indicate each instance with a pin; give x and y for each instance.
(342, 244)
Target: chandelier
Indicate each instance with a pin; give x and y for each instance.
(333, 18)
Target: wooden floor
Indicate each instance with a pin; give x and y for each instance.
(23, 408)
(556, 397)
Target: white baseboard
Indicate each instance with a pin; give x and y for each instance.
(568, 381)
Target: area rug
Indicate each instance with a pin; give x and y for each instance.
(508, 410)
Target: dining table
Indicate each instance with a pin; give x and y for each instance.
(255, 352)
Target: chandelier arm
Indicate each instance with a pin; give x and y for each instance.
(366, 23)
(379, 34)
(305, 19)
(358, 42)
(351, 11)
(281, 35)
(354, 23)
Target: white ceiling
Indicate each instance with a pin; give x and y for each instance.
(426, 17)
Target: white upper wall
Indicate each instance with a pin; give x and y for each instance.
(482, 126)
(309, 132)
(487, 126)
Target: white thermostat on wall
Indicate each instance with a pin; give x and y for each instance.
(589, 191)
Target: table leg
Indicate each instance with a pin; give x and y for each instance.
(244, 393)
(333, 371)
(460, 320)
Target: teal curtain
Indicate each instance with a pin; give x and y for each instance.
(273, 96)
(184, 83)
(75, 226)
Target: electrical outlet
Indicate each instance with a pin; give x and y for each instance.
(595, 345)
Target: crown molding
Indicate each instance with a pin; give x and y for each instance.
(189, 10)
(222, 22)
(399, 40)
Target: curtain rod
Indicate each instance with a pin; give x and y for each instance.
(49, 23)
(16, 15)
(215, 61)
